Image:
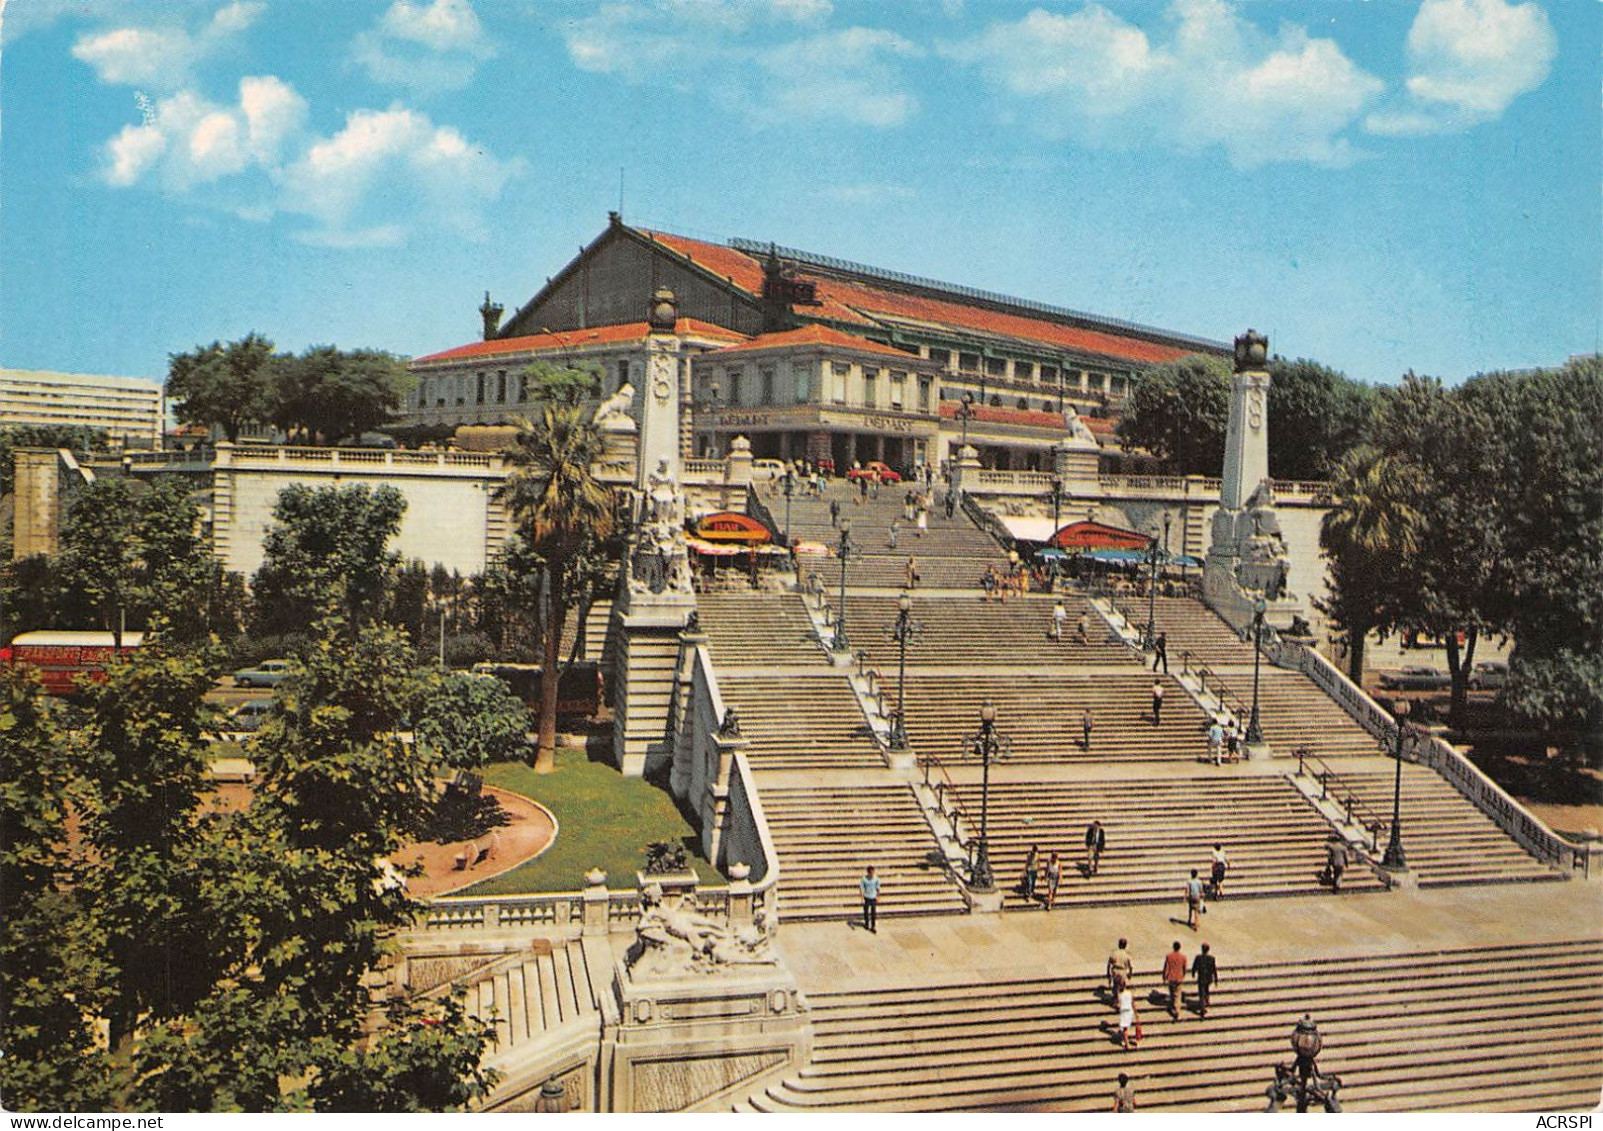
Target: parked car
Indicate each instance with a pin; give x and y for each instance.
(1416, 677)
(885, 473)
(250, 715)
(268, 673)
(1488, 675)
(767, 468)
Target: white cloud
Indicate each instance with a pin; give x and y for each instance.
(335, 181)
(161, 57)
(426, 47)
(846, 74)
(1468, 60)
(187, 141)
(273, 114)
(1216, 79)
(748, 56)
(374, 182)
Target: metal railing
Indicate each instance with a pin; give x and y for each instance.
(1468, 778)
(1357, 810)
(1190, 664)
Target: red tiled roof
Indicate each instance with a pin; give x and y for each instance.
(725, 262)
(573, 339)
(993, 415)
(857, 303)
(817, 335)
(897, 305)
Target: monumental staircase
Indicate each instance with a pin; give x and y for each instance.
(801, 722)
(965, 631)
(759, 630)
(827, 835)
(1158, 830)
(1042, 716)
(1502, 1028)
(1446, 839)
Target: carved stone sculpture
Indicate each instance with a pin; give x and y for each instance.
(671, 942)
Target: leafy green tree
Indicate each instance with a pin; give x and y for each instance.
(470, 721)
(1372, 526)
(1452, 583)
(50, 966)
(564, 385)
(241, 940)
(143, 758)
(334, 393)
(33, 595)
(1553, 510)
(226, 386)
(563, 510)
(132, 551)
(1316, 416)
(1178, 411)
(326, 555)
(427, 1058)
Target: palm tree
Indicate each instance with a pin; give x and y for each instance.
(1373, 525)
(561, 509)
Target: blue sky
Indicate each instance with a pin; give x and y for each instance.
(1378, 185)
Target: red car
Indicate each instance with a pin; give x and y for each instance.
(873, 469)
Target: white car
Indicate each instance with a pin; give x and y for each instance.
(767, 468)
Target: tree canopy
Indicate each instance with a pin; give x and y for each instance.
(242, 940)
(327, 554)
(321, 393)
(1178, 411)
(229, 386)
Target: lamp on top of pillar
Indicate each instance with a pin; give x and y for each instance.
(1252, 351)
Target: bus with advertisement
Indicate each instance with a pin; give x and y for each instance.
(60, 657)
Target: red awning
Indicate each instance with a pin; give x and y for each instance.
(1098, 536)
(727, 526)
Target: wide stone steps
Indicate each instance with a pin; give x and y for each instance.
(1157, 831)
(1191, 627)
(530, 993)
(888, 570)
(801, 722)
(969, 631)
(1446, 839)
(1498, 1028)
(1295, 713)
(826, 836)
(1041, 716)
(759, 630)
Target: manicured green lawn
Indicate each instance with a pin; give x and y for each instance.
(603, 818)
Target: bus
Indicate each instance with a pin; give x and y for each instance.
(60, 657)
(578, 691)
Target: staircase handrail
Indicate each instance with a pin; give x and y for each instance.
(1469, 779)
(1228, 699)
(1347, 794)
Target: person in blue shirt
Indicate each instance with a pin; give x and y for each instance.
(1193, 900)
(870, 886)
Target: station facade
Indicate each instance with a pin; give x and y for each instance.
(809, 357)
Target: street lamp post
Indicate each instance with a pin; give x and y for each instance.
(1152, 591)
(964, 412)
(1254, 730)
(902, 631)
(1057, 503)
(980, 877)
(1394, 860)
(790, 489)
(841, 643)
